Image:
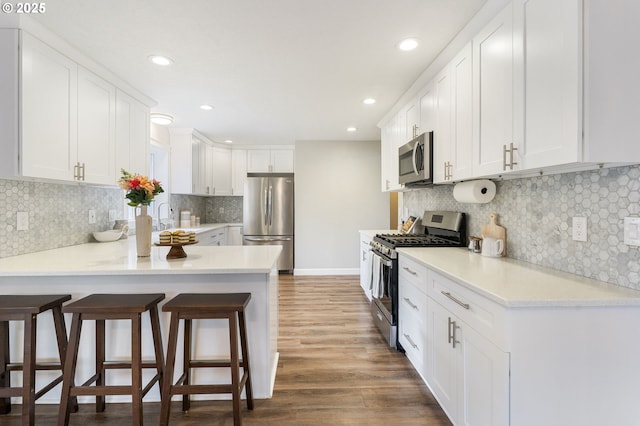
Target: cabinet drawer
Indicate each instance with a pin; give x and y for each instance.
(412, 337)
(413, 302)
(478, 312)
(414, 272)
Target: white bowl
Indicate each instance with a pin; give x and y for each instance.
(110, 235)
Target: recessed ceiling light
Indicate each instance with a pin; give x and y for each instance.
(228, 141)
(351, 129)
(161, 60)
(206, 107)
(160, 118)
(369, 101)
(408, 44)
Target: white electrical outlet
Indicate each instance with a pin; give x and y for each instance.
(92, 216)
(221, 210)
(112, 215)
(22, 221)
(579, 228)
(632, 231)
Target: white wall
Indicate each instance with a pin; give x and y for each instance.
(337, 193)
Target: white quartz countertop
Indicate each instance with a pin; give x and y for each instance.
(119, 258)
(514, 283)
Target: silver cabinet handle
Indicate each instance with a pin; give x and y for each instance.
(511, 163)
(458, 301)
(411, 342)
(409, 270)
(451, 332)
(406, 299)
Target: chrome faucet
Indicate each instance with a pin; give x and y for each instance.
(167, 222)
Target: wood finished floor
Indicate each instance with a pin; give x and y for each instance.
(335, 369)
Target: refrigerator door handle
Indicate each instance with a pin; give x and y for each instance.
(270, 204)
(265, 212)
(267, 239)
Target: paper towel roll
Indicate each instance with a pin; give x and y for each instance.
(474, 191)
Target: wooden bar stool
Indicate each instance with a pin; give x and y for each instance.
(26, 308)
(230, 306)
(101, 307)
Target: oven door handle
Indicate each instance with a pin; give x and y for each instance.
(383, 260)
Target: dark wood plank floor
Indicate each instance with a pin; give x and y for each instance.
(335, 369)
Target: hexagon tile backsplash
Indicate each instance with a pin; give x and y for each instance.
(537, 213)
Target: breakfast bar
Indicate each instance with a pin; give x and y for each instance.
(115, 268)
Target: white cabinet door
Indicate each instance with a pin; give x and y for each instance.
(221, 171)
(365, 256)
(442, 134)
(389, 155)
(259, 161)
(462, 115)
(469, 375)
(234, 235)
(483, 388)
(132, 135)
(412, 119)
(282, 160)
(49, 96)
(238, 171)
(96, 128)
(441, 368)
(547, 82)
(493, 94)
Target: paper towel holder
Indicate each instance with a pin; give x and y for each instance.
(479, 191)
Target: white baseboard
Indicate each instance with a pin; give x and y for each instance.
(345, 271)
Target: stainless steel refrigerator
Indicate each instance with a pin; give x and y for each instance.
(268, 214)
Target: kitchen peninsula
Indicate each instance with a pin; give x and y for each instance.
(114, 268)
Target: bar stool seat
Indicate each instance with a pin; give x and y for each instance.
(26, 308)
(190, 306)
(101, 307)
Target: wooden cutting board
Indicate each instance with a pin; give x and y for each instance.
(492, 229)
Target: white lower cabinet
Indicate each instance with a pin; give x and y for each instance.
(365, 256)
(468, 375)
(214, 237)
(234, 236)
(449, 336)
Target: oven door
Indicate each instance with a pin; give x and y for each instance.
(384, 294)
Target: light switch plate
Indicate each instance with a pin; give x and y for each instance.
(632, 231)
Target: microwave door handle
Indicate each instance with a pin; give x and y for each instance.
(415, 153)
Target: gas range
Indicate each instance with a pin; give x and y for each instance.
(442, 229)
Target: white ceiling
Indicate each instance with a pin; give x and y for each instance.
(276, 71)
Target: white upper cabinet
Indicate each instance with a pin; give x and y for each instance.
(493, 94)
(49, 112)
(461, 154)
(238, 171)
(60, 119)
(132, 135)
(442, 133)
(96, 128)
(392, 136)
(278, 160)
(547, 82)
(221, 171)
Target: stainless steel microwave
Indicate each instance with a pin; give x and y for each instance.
(415, 161)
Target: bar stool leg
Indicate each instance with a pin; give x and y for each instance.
(167, 382)
(136, 370)
(69, 370)
(235, 368)
(100, 370)
(186, 363)
(5, 376)
(157, 344)
(61, 335)
(245, 359)
(28, 370)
